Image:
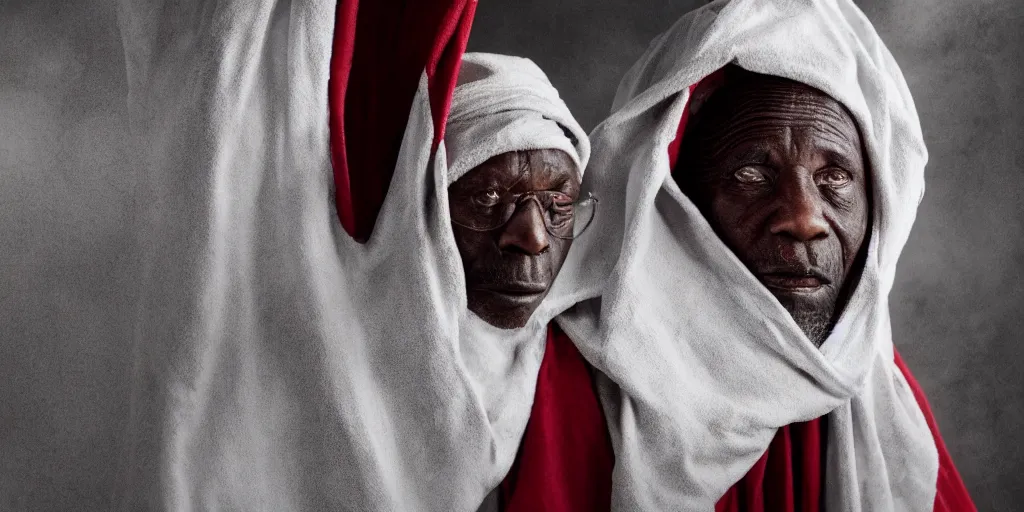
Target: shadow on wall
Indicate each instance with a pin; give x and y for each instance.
(66, 255)
(958, 296)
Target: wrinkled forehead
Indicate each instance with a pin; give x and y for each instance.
(530, 169)
(753, 98)
(735, 106)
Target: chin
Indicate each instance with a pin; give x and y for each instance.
(812, 312)
(502, 312)
(815, 322)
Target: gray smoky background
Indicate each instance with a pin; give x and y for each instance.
(68, 257)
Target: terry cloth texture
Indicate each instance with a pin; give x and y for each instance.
(702, 363)
(504, 104)
(279, 364)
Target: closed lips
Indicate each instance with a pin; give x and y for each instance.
(516, 288)
(794, 280)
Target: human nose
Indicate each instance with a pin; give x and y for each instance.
(525, 231)
(799, 213)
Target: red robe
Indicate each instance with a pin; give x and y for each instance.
(380, 50)
(565, 459)
(789, 476)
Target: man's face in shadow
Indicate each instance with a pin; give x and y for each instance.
(778, 170)
(512, 217)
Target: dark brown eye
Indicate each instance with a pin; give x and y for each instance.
(750, 176)
(487, 198)
(832, 178)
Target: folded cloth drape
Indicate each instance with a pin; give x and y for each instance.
(503, 103)
(280, 364)
(702, 363)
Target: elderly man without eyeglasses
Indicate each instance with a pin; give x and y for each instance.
(759, 176)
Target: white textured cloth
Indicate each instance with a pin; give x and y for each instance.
(703, 364)
(279, 365)
(502, 104)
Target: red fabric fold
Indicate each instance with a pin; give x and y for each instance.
(795, 461)
(787, 478)
(380, 51)
(565, 459)
(379, 54)
(950, 492)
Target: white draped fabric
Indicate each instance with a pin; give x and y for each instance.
(280, 365)
(702, 363)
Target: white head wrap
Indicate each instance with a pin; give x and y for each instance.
(280, 365)
(703, 364)
(504, 104)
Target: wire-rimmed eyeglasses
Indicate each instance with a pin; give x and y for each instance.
(563, 217)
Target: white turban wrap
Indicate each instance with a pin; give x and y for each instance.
(504, 104)
(703, 364)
